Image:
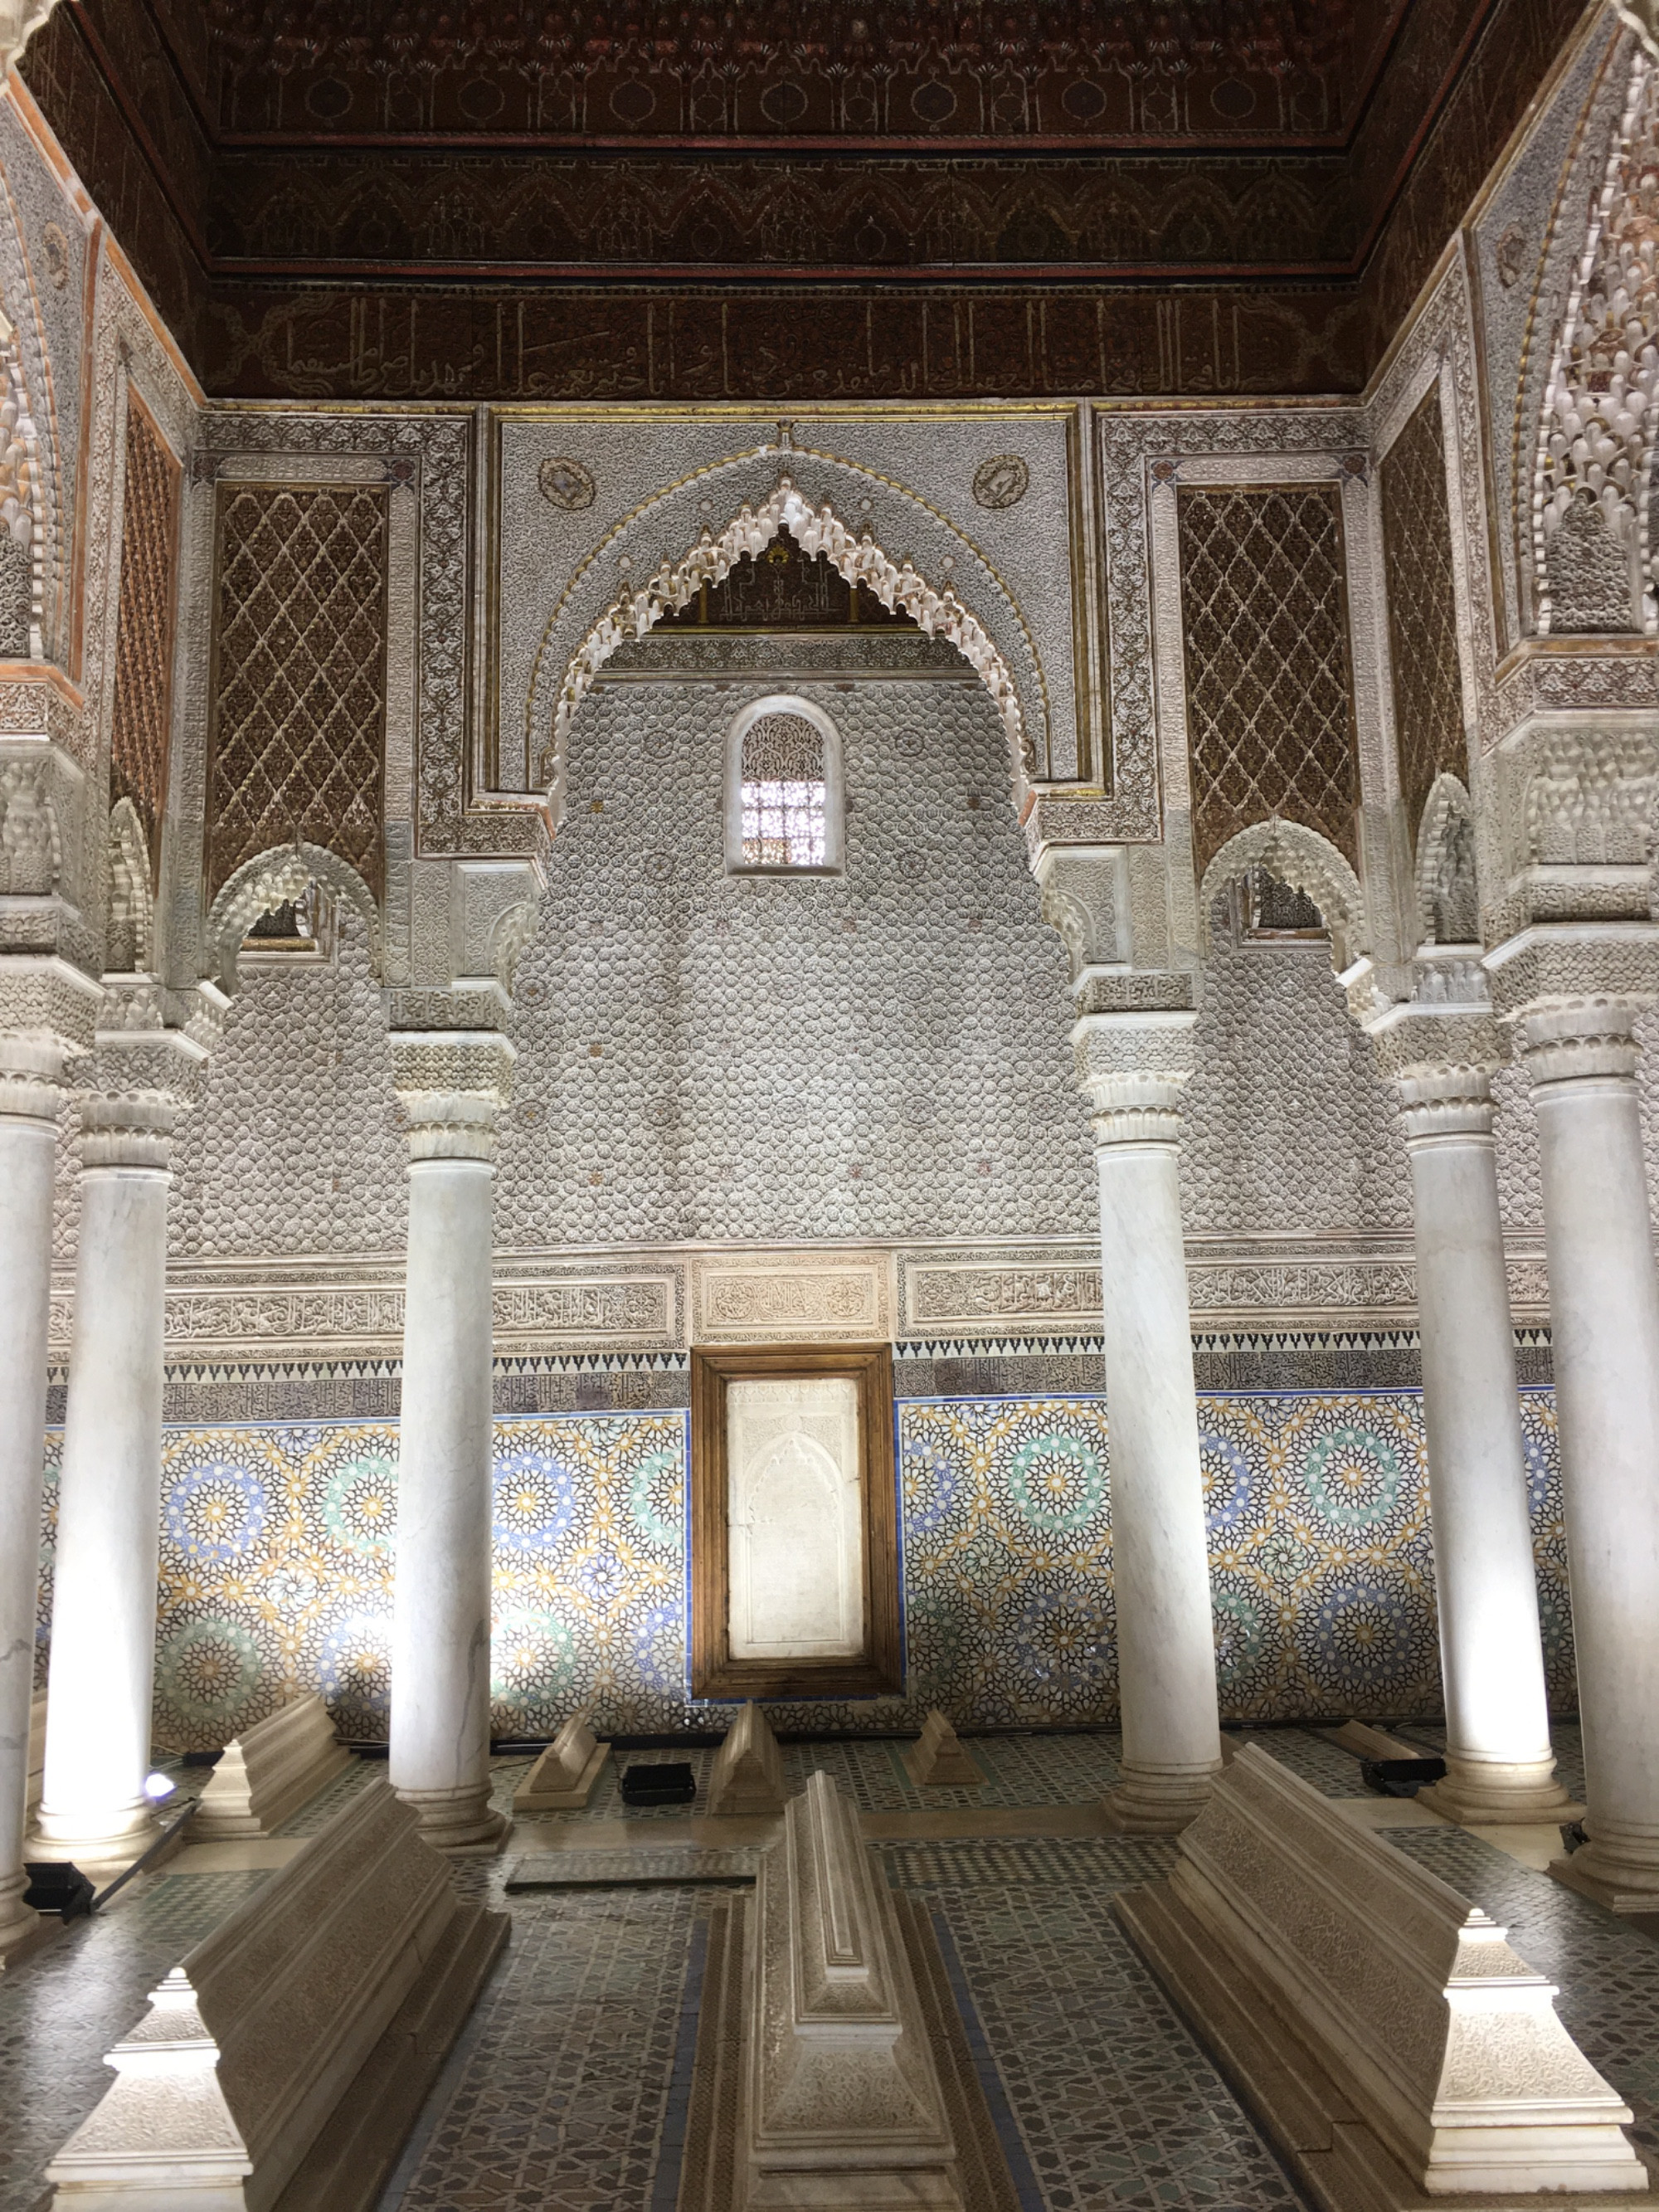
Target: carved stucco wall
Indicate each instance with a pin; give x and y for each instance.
(754, 1049)
(882, 1054)
(293, 1146)
(1288, 1127)
(1532, 207)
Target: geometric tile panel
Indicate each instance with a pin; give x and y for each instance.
(277, 1548)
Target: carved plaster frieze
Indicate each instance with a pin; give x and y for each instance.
(760, 1300)
(1030, 1292)
(287, 1313)
(654, 1303)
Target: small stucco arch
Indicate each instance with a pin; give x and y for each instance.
(266, 881)
(130, 935)
(1307, 862)
(1447, 899)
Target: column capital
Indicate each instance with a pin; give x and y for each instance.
(146, 1070)
(1133, 1068)
(452, 1083)
(48, 1016)
(1571, 994)
(1439, 1058)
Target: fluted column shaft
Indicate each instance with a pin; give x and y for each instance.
(93, 1808)
(1499, 1764)
(439, 1747)
(30, 1101)
(1160, 1563)
(1604, 1306)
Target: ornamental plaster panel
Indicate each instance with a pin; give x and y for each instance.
(854, 518)
(1526, 239)
(427, 452)
(631, 489)
(1134, 452)
(1367, 662)
(43, 270)
(1441, 346)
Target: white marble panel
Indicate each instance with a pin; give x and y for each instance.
(795, 1516)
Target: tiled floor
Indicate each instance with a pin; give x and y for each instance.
(564, 2094)
(61, 2010)
(1117, 2103)
(1609, 1973)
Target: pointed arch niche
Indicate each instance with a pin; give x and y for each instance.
(1006, 666)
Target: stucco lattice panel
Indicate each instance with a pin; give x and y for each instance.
(144, 627)
(1286, 1128)
(1428, 692)
(881, 1053)
(294, 1145)
(299, 708)
(1269, 678)
(278, 1557)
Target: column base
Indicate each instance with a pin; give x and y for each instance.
(1158, 1800)
(460, 1823)
(1488, 1794)
(102, 1843)
(1608, 1876)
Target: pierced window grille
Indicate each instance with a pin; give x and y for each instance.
(303, 926)
(1268, 911)
(785, 818)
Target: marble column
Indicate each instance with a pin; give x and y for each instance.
(94, 1808)
(1580, 1053)
(30, 1099)
(452, 1087)
(1134, 1069)
(1499, 1765)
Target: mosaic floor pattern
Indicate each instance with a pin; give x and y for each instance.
(1609, 1973)
(1117, 2103)
(565, 2092)
(63, 2009)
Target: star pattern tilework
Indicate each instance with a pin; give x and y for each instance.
(277, 1553)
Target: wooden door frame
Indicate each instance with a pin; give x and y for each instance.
(879, 1667)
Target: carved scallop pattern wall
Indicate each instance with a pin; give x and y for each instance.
(878, 1053)
(294, 1145)
(1287, 1128)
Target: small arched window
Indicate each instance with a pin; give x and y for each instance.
(783, 807)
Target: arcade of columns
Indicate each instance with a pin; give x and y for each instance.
(1562, 995)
